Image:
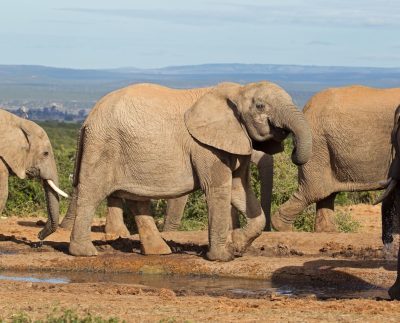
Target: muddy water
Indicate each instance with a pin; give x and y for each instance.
(204, 285)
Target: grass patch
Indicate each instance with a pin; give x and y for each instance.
(345, 222)
(67, 316)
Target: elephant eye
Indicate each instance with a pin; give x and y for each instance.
(260, 106)
(46, 153)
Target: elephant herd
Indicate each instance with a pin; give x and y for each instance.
(147, 142)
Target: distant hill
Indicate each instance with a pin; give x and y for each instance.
(75, 89)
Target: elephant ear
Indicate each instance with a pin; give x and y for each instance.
(214, 120)
(269, 147)
(14, 148)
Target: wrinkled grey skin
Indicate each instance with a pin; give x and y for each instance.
(25, 151)
(391, 202)
(351, 150)
(175, 207)
(149, 142)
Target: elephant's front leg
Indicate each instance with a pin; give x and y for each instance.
(244, 199)
(3, 186)
(175, 209)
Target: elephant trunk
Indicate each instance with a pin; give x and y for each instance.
(53, 210)
(294, 121)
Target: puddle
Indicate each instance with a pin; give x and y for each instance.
(204, 285)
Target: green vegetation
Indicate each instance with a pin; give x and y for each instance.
(67, 316)
(27, 198)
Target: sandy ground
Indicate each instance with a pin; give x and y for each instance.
(339, 259)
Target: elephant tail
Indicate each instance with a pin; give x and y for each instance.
(78, 157)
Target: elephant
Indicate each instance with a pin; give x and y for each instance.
(391, 201)
(175, 207)
(351, 150)
(25, 151)
(147, 141)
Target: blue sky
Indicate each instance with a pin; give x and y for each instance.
(144, 34)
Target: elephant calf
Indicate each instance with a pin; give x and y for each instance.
(25, 151)
(147, 142)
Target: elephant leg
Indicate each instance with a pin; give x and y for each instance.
(394, 291)
(265, 166)
(283, 219)
(244, 199)
(324, 219)
(175, 209)
(69, 218)
(235, 222)
(3, 186)
(115, 218)
(150, 238)
(87, 201)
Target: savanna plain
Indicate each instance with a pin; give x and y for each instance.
(284, 276)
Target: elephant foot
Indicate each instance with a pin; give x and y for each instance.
(239, 241)
(220, 254)
(117, 230)
(84, 249)
(324, 223)
(279, 223)
(168, 227)
(154, 246)
(394, 291)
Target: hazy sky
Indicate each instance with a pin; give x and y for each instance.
(116, 33)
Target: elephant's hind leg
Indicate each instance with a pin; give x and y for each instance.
(324, 219)
(3, 186)
(115, 220)
(150, 238)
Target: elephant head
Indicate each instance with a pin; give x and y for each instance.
(27, 152)
(237, 118)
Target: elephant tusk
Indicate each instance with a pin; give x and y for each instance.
(388, 191)
(56, 189)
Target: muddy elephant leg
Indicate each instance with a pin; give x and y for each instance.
(324, 219)
(283, 219)
(3, 186)
(151, 241)
(69, 218)
(115, 218)
(175, 209)
(245, 201)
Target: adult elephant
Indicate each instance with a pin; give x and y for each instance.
(351, 150)
(136, 144)
(391, 201)
(25, 151)
(175, 207)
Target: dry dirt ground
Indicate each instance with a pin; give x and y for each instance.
(329, 260)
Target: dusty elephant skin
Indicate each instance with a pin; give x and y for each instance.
(175, 207)
(351, 150)
(25, 151)
(136, 145)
